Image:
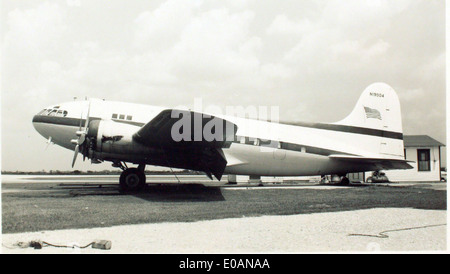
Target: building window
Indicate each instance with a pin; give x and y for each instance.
(122, 116)
(423, 160)
(114, 116)
(129, 117)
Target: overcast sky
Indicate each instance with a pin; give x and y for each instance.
(311, 58)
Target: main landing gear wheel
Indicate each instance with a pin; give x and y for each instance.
(344, 181)
(132, 179)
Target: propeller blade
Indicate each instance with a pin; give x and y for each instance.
(83, 133)
(82, 136)
(86, 124)
(77, 148)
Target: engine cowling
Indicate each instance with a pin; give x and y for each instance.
(109, 140)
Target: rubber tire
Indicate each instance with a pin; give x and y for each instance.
(344, 181)
(132, 179)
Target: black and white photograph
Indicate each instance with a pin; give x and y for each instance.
(223, 127)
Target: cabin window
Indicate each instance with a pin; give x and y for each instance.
(248, 141)
(423, 160)
(237, 139)
(294, 147)
(269, 143)
(122, 116)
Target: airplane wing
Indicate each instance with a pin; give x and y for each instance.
(376, 163)
(189, 139)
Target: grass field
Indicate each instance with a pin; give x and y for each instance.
(46, 206)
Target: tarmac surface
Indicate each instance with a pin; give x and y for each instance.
(212, 217)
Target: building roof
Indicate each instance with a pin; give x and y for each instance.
(420, 141)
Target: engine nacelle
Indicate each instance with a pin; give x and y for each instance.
(111, 139)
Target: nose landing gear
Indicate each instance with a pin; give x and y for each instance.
(131, 179)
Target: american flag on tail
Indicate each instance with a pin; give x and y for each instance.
(372, 113)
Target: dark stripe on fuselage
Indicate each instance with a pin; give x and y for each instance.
(129, 122)
(243, 140)
(74, 122)
(67, 121)
(350, 129)
(64, 121)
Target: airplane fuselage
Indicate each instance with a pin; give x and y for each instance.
(260, 147)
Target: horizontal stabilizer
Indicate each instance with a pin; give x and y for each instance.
(378, 163)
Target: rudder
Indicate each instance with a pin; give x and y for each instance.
(378, 108)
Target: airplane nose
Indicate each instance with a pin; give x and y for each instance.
(34, 121)
(39, 127)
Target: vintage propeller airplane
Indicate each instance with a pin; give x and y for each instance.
(369, 139)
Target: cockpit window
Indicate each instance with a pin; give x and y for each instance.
(42, 112)
(54, 112)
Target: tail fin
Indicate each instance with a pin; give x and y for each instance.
(378, 109)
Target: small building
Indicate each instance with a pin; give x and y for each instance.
(425, 154)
